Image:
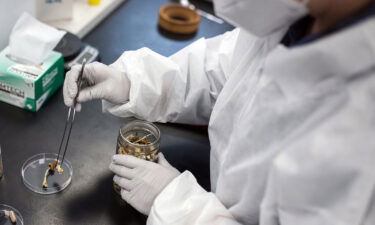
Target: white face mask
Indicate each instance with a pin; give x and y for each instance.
(261, 17)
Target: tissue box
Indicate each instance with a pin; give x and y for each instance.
(29, 86)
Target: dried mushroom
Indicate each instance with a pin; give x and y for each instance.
(50, 171)
(137, 150)
(10, 215)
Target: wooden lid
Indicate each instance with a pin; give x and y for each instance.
(178, 19)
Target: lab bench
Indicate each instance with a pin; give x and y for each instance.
(90, 198)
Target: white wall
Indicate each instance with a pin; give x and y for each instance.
(10, 10)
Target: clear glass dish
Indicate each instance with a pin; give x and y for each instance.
(34, 169)
(7, 221)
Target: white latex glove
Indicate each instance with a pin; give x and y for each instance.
(141, 181)
(101, 82)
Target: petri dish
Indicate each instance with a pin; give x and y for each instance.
(34, 169)
(7, 221)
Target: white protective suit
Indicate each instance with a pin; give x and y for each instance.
(292, 131)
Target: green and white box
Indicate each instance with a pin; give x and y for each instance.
(29, 86)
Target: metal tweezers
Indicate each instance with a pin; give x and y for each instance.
(70, 119)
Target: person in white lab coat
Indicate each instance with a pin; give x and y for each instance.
(291, 126)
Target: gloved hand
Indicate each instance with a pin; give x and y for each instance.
(102, 82)
(141, 181)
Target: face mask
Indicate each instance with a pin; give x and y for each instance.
(261, 17)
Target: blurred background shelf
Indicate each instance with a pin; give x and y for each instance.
(86, 17)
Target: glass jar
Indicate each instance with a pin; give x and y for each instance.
(140, 139)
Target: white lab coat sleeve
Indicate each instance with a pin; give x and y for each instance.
(181, 88)
(185, 202)
(327, 178)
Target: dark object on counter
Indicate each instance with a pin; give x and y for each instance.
(75, 51)
(69, 46)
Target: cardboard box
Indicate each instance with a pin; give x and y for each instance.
(29, 86)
